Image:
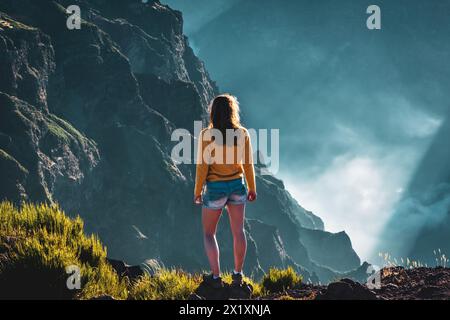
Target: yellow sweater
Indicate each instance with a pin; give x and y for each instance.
(220, 162)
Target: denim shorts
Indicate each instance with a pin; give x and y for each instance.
(220, 193)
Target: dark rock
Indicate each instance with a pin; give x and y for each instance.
(416, 288)
(209, 293)
(415, 283)
(389, 287)
(125, 270)
(243, 291)
(4, 260)
(429, 292)
(346, 289)
(205, 291)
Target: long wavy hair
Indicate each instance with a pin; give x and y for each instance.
(224, 114)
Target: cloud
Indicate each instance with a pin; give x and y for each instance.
(358, 188)
(355, 194)
(413, 214)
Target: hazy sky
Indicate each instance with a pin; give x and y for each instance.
(356, 109)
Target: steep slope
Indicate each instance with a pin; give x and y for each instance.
(43, 157)
(86, 118)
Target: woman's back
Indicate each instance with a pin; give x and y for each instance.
(221, 158)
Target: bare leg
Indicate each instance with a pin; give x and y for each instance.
(236, 214)
(210, 218)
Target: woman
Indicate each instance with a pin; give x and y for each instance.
(225, 164)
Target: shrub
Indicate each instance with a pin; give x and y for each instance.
(279, 280)
(165, 285)
(37, 243)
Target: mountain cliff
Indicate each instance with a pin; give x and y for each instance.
(86, 118)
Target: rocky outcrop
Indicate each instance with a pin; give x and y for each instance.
(227, 292)
(396, 283)
(346, 289)
(85, 121)
(26, 61)
(124, 270)
(42, 157)
(333, 250)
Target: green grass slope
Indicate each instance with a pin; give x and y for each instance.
(38, 243)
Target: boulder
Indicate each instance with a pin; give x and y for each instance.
(206, 292)
(346, 289)
(125, 270)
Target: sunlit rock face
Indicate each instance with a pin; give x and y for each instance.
(85, 121)
(42, 156)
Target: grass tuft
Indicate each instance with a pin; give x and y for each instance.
(258, 289)
(280, 280)
(165, 285)
(440, 260)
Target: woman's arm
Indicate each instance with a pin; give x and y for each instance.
(248, 166)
